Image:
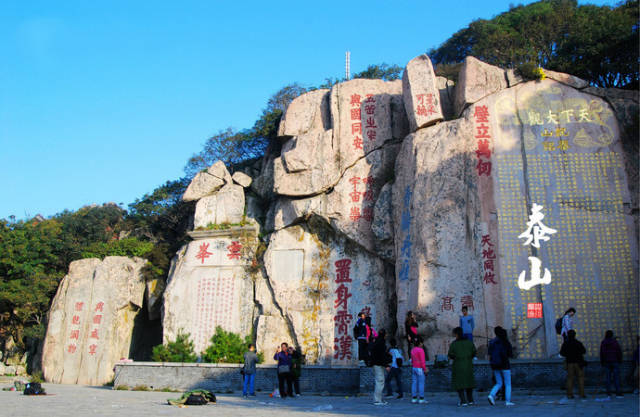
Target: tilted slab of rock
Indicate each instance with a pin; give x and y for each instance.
(420, 93)
(307, 112)
(91, 320)
(202, 185)
(225, 206)
(208, 286)
(476, 81)
(219, 170)
(320, 282)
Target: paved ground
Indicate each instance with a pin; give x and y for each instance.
(69, 400)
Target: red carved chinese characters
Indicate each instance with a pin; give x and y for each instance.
(488, 256)
(426, 105)
(534, 310)
(446, 304)
(356, 124)
(203, 253)
(467, 301)
(483, 135)
(234, 250)
(342, 319)
(364, 194)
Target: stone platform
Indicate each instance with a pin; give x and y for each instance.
(532, 375)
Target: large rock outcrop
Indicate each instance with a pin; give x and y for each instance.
(91, 320)
(376, 203)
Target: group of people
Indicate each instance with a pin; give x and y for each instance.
(387, 362)
(289, 369)
(462, 353)
(574, 351)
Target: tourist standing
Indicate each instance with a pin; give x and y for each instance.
(567, 323)
(418, 373)
(500, 350)
(296, 369)
(574, 352)
(395, 370)
(284, 370)
(249, 371)
(371, 332)
(610, 359)
(467, 324)
(411, 330)
(462, 351)
(360, 334)
(380, 359)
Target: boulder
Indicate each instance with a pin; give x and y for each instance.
(91, 320)
(566, 79)
(210, 272)
(420, 93)
(476, 81)
(225, 206)
(319, 282)
(219, 170)
(202, 185)
(241, 179)
(10, 370)
(21, 370)
(308, 165)
(307, 112)
(3, 368)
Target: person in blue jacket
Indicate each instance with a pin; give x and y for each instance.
(467, 324)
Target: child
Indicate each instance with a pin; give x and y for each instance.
(467, 324)
(418, 372)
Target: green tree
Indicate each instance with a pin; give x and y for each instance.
(227, 347)
(179, 350)
(380, 71)
(597, 43)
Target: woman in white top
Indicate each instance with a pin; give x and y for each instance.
(567, 322)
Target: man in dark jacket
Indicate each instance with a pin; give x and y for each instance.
(380, 360)
(610, 359)
(360, 334)
(573, 351)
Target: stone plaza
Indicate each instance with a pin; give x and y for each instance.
(73, 400)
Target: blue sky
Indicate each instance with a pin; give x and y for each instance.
(104, 101)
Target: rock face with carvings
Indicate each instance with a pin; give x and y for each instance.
(91, 320)
(468, 192)
(210, 272)
(376, 203)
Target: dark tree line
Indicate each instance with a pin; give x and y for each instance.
(596, 43)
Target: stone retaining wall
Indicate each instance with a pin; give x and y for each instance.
(549, 374)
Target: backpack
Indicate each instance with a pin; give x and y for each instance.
(559, 326)
(196, 399)
(33, 388)
(497, 353)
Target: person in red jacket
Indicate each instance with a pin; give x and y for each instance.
(610, 358)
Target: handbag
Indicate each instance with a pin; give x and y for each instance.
(283, 369)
